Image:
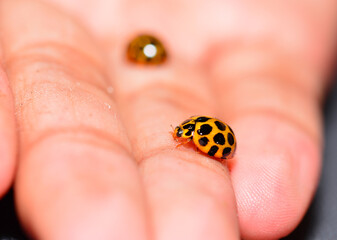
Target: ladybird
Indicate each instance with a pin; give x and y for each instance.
(146, 49)
(210, 136)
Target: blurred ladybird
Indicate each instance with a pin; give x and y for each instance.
(210, 135)
(146, 49)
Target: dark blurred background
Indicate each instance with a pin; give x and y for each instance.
(320, 222)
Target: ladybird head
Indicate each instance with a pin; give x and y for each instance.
(184, 130)
(177, 132)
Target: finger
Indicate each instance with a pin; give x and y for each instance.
(76, 178)
(190, 195)
(274, 109)
(7, 135)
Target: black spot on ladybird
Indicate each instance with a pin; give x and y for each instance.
(213, 150)
(220, 125)
(189, 126)
(204, 129)
(226, 152)
(230, 139)
(230, 129)
(219, 139)
(202, 119)
(189, 133)
(203, 141)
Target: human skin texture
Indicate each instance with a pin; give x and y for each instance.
(84, 134)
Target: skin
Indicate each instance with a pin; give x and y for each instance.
(84, 134)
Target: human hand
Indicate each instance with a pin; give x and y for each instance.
(95, 160)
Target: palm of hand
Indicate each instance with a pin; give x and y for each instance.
(95, 156)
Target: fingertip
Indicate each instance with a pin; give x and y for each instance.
(68, 188)
(191, 197)
(274, 177)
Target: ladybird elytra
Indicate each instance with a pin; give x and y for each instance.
(210, 136)
(146, 49)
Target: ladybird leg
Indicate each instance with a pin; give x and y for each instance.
(172, 133)
(183, 142)
(197, 149)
